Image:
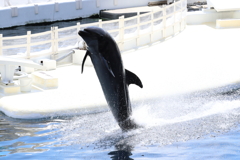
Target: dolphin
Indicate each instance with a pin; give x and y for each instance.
(113, 77)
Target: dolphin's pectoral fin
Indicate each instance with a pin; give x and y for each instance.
(84, 59)
(132, 78)
(108, 66)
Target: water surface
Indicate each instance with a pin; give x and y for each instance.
(194, 126)
(43, 27)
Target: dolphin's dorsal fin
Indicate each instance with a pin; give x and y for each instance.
(132, 78)
(108, 66)
(84, 59)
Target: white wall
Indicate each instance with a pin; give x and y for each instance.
(236, 14)
(66, 10)
(1, 3)
(6, 3)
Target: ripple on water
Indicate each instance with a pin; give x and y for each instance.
(182, 127)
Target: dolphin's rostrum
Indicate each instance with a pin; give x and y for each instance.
(114, 79)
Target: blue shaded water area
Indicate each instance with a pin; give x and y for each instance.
(43, 27)
(193, 126)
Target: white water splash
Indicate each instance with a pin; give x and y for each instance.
(164, 121)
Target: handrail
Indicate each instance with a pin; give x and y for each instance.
(40, 34)
(15, 37)
(165, 29)
(112, 21)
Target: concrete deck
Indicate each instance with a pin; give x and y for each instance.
(127, 12)
(199, 58)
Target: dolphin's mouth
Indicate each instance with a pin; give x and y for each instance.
(87, 36)
(84, 33)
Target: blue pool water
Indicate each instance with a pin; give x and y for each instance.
(194, 126)
(43, 27)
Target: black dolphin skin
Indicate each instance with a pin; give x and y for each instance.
(114, 79)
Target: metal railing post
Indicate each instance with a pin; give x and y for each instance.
(78, 29)
(182, 10)
(55, 40)
(164, 22)
(78, 26)
(100, 23)
(52, 40)
(121, 32)
(185, 10)
(28, 44)
(174, 22)
(1, 44)
(138, 27)
(152, 26)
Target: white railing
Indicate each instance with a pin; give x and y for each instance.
(129, 33)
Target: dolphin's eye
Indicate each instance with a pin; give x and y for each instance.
(101, 37)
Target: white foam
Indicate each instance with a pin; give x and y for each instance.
(175, 110)
(179, 120)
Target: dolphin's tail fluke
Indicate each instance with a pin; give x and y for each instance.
(128, 124)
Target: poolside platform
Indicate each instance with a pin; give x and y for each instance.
(197, 59)
(127, 12)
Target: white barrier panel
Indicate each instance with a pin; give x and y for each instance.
(129, 33)
(8, 3)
